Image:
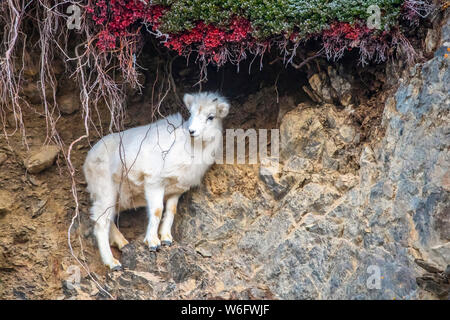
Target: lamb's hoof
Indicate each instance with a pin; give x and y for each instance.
(122, 245)
(117, 268)
(115, 265)
(166, 243)
(153, 245)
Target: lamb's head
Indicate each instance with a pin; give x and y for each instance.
(207, 111)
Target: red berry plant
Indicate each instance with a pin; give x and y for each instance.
(118, 17)
(214, 44)
(373, 45)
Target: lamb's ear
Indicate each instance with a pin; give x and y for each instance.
(222, 109)
(188, 99)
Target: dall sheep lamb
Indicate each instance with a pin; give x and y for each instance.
(150, 165)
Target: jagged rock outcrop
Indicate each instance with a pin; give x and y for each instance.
(341, 219)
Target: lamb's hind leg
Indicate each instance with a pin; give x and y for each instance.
(102, 212)
(166, 224)
(154, 196)
(116, 238)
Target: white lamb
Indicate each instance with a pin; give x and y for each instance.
(150, 165)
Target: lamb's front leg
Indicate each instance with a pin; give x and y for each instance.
(166, 225)
(154, 196)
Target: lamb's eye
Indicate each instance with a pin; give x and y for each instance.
(210, 118)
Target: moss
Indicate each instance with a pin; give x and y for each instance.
(270, 18)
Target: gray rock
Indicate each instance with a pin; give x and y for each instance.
(431, 40)
(347, 133)
(277, 187)
(180, 270)
(41, 159)
(128, 257)
(298, 165)
(341, 86)
(321, 88)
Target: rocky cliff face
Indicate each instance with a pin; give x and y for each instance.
(344, 217)
(341, 219)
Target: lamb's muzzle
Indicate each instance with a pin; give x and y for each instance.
(149, 166)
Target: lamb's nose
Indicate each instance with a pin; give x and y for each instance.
(191, 132)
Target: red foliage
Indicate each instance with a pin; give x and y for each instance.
(118, 15)
(343, 31)
(342, 36)
(356, 31)
(210, 39)
(240, 29)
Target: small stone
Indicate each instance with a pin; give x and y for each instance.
(431, 40)
(318, 83)
(69, 288)
(68, 103)
(34, 181)
(3, 158)
(388, 189)
(41, 159)
(273, 183)
(33, 91)
(19, 293)
(4, 263)
(179, 268)
(314, 97)
(80, 146)
(329, 163)
(347, 133)
(346, 182)
(341, 86)
(441, 252)
(204, 249)
(346, 99)
(94, 292)
(21, 237)
(128, 258)
(298, 165)
(39, 209)
(6, 201)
